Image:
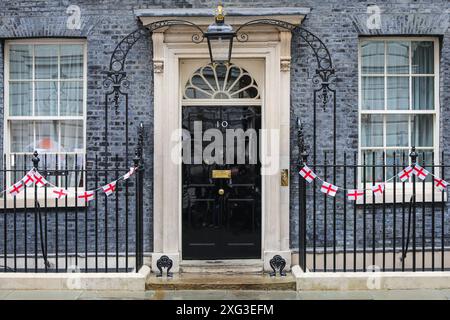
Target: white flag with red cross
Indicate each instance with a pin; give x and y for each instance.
(420, 172)
(129, 173)
(28, 179)
(109, 188)
(378, 188)
(307, 174)
(59, 193)
(440, 183)
(405, 174)
(329, 189)
(354, 194)
(16, 188)
(87, 196)
(38, 179)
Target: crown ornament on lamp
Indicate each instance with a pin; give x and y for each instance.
(220, 38)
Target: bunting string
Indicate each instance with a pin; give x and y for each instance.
(34, 177)
(378, 187)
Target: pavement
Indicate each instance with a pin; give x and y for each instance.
(225, 295)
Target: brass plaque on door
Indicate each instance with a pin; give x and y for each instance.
(221, 174)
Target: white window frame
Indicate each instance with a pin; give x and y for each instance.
(19, 199)
(435, 112)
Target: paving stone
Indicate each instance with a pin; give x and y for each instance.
(43, 295)
(334, 295)
(4, 293)
(409, 295)
(263, 295)
(194, 295)
(116, 295)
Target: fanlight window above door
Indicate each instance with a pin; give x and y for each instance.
(220, 81)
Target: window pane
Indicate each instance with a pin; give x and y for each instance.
(397, 57)
(422, 130)
(372, 130)
(72, 61)
(18, 163)
(20, 99)
(46, 98)
(67, 161)
(397, 130)
(372, 57)
(71, 98)
(423, 93)
(423, 57)
(401, 158)
(372, 93)
(425, 159)
(21, 59)
(72, 136)
(398, 93)
(21, 136)
(368, 157)
(46, 60)
(47, 136)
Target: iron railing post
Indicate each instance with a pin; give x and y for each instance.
(302, 216)
(138, 163)
(413, 155)
(35, 159)
(302, 199)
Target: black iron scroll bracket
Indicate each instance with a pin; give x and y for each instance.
(277, 263)
(164, 263)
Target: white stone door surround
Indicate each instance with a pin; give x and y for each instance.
(173, 44)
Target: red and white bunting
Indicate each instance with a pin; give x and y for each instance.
(38, 179)
(87, 196)
(109, 188)
(59, 193)
(329, 189)
(129, 173)
(307, 174)
(378, 188)
(28, 179)
(440, 183)
(420, 172)
(354, 194)
(405, 174)
(16, 188)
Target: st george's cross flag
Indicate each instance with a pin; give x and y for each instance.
(28, 179)
(129, 173)
(354, 194)
(378, 188)
(109, 188)
(16, 188)
(38, 179)
(87, 196)
(405, 174)
(420, 172)
(440, 183)
(307, 174)
(59, 193)
(329, 189)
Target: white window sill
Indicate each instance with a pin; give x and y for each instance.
(389, 194)
(48, 201)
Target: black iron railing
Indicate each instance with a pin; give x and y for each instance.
(40, 233)
(405, 228)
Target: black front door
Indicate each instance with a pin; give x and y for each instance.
(221, 202)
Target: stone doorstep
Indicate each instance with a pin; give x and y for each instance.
(235, 267)
(208, 281)
(75, 281)
(345, 281)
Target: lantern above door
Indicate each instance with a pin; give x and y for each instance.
(220, 39)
